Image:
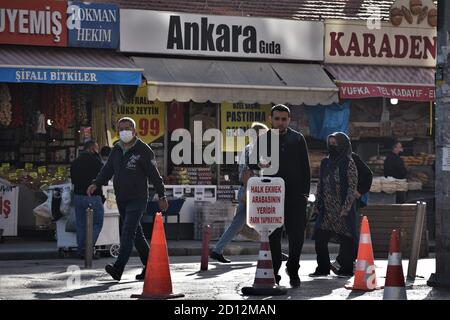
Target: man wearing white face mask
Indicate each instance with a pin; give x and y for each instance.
(133, 165)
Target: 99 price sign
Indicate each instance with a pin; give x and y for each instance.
(150, 127)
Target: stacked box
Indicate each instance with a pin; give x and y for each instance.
(218, 215)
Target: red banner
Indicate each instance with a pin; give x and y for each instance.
(33, 22)
(400, 92)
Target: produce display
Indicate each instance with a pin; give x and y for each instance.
(34, 178)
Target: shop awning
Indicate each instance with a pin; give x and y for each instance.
(20, 64)
(236, 81)
(403, 83)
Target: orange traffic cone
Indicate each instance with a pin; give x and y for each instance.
(158, 284)
(264, 278)
(394, 287)
(365, 277)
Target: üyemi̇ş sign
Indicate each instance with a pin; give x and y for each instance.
(265, 203)
(148, 31)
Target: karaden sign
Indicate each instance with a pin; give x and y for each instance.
(145, 31)
(409, 39)
(59, 23)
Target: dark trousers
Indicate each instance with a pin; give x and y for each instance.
(355, 210)
(131, 213)
(347, 254)
(295, 216)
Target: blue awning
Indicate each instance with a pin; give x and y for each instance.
(20, 64)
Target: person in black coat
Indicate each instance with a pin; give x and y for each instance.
(395, 167)
(294, 168)
(83, 170)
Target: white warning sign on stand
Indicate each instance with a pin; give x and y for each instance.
(265, 203)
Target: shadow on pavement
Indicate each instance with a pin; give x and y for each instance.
(82, 291)
(438, 294)
(220, 269)
(315, 288)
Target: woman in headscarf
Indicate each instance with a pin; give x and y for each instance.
(336, 218)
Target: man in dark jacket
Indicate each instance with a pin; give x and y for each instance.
(395, 167)
(82, 171)
(295, 170)
(133, 165)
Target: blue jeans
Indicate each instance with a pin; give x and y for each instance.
(131, 213)
(81, 204)
(237, 224)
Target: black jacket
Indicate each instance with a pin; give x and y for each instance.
(294, 162)
(83, 170)
(132, 172)
(394, 167)
(365, 175)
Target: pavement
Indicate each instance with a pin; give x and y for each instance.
(26, 249)
(67, 279)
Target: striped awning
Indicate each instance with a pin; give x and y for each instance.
(403, 83)
(22, 64)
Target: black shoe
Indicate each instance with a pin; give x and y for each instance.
(294, 279)
(284, 257)
(141, 276)
(277, 279)
(219, 257)
(318, 274)
(335, 267)
(343, 274)
(115, 273)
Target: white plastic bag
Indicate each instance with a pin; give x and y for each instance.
(44, 210)
(66, 200)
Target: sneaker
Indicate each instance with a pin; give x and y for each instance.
(219, 257)
(115, 273)
(294, 279)
(141, 276)
(277, 279)
(318, 274)
(335, 267)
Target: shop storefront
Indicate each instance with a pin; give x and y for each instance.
(387, 76)
(58, 86)
(218, 72)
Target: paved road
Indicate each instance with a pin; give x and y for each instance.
(53, 279)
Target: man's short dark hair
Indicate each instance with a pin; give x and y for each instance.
(280, 108)
(105, 151)
(88, 144)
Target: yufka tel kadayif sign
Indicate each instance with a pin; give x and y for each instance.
(265, 203)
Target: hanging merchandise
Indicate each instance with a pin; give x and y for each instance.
(17, 105)
(5, 106)
(64, 115)
(41, 123)
(79, 102)
(324, 120)
(30, 103)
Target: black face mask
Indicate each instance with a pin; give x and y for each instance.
(333, 150)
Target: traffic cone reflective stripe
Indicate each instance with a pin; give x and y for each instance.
(158, 283)
(264, 283)
(394, 287)
(365, 276)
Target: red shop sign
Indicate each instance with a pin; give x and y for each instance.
(33, 22)
(400, 92)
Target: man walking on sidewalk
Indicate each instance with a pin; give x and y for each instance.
(294, 168)
(82, 171)
(133, 165)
